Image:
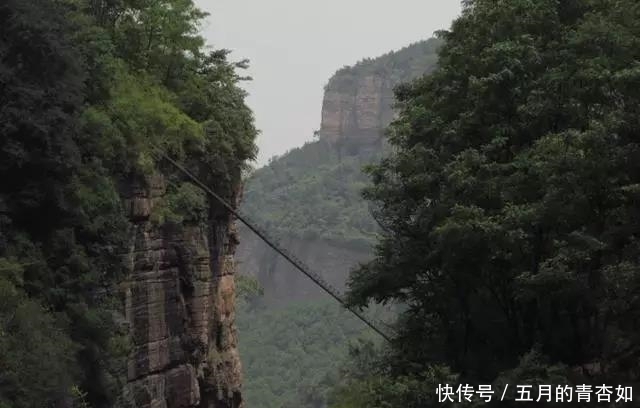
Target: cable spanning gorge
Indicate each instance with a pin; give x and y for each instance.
(468, 208)
(292, 259)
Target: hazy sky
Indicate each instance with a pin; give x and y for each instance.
(294, 46)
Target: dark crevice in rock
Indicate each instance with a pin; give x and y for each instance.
(178, 298)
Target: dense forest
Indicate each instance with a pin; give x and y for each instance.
(310, 193)
(509, 209)
(87, 89)
(293, 355)
(293, 347)
(504, 215)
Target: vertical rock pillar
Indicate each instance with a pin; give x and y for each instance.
(179, 303)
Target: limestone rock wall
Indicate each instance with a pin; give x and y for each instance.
(359, 100)
(358, 105)
(357, 112)
(282, 283)
(179, 299)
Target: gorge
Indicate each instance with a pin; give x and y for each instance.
(310, 197)
(476, 194)
(293, 337)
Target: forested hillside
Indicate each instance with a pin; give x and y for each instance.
(295, 340)
(312, 193)
(292, 354)
(310, 198)
(510, 210)
(87, 88)
(496, 223)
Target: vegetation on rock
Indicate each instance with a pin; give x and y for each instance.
(291, 354)
(87, 88)
(314, 192)
(398, 66)
(505, 215)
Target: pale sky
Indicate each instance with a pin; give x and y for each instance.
(295, 46)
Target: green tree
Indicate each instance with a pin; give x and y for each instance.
(29, 336)
(87, 88)
(60, 214)
(509, 203)
(291, 355)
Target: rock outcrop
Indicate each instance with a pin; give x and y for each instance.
(359, 100)
(179, 299)
(281, 281)
(355, 115)
(358, 105)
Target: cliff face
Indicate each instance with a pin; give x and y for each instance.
(358, 100)
(355, 113)
(315, 190)
(282, 282)
(179, 299)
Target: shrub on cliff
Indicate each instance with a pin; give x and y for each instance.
(86, 89)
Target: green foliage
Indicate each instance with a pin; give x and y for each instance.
(291, 355)
(509, 205)
(137, 113)
(186, 203)
(376, 389)
(87, 88)
(313, 194)
(36, 356)
(398, 67)
(248, 291)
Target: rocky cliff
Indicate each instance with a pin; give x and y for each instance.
(358, 100)
(179, 299)
(281, 281)
(311, 196)
(355, 115)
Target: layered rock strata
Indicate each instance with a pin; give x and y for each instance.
(283, 283)
(358, 106)
(179, 303)
(356, 114)
(359, 100)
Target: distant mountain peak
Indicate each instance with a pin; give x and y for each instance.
(358, 100)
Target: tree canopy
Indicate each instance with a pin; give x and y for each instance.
(510, 204)
(87, 87)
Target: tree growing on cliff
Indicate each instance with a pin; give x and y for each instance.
(85, 86)
(510, 203)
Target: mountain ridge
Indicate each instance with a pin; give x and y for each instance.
(309, 198)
